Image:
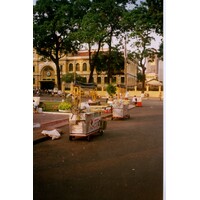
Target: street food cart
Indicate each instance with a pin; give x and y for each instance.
(89, 90)
(120, 109)
(83, 122)
(85, 125)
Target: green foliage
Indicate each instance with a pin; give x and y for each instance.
(115, 58)
(54, 25)
(141, 22)
(154, 15)
(49, 106)
(60, 26)
(64, 105)
(69, 77)
(52, 30)
(111, 89)
(141, 77)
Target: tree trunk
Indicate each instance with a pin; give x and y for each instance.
(143, 79)
(56, 61)
(92, 64)
(109, 62)
(58, 75)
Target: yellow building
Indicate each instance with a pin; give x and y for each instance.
(154, 70)
(44, 72)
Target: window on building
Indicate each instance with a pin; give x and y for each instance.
(33, 68)
(106, 79)
(61, 67)
(84, 67)
(77, 67)
(33, 80)
(71, 67)
(99, 80)
(122, 79)
(113, 79)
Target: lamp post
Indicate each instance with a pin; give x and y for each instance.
(125, 63)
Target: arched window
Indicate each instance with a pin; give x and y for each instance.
(77, 67)
(71, 67)
(84, 67)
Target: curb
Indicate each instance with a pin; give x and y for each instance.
(43, 138)
(54, 124)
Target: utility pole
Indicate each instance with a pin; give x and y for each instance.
(125, 63)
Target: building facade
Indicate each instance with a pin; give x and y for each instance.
(154, 70)
(44, 72)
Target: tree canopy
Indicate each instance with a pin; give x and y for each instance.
(61, 26)
(54, 25)
(140, 23)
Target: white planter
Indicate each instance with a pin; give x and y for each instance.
(65, 111)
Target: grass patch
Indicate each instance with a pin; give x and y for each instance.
(49, 106)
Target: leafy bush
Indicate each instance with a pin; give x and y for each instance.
(64, 106)
(111, 89)
(49, 106)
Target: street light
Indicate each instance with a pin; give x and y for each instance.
(125, 63)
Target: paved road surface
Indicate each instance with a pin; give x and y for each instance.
(126, 163)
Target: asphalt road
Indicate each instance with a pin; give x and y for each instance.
(126, 163)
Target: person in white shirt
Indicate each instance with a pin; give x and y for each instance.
(134, 100)
(35, 106)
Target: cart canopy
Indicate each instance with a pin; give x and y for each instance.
(85, 85)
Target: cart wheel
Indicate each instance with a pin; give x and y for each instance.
(70, 138)
(88, 138)
(101, 132)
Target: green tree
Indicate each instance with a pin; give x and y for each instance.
(71, 77)
(142, 52)
(111, 89)
(140, 76)
(154, 17)
(92, 31)
(99, 26)
(53, 28)
(141, 23)
(116, 61)
(112, 12)
(154, 14)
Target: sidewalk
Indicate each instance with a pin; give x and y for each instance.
(48, 121)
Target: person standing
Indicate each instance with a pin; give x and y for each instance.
(134, 100)
(34, 106)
